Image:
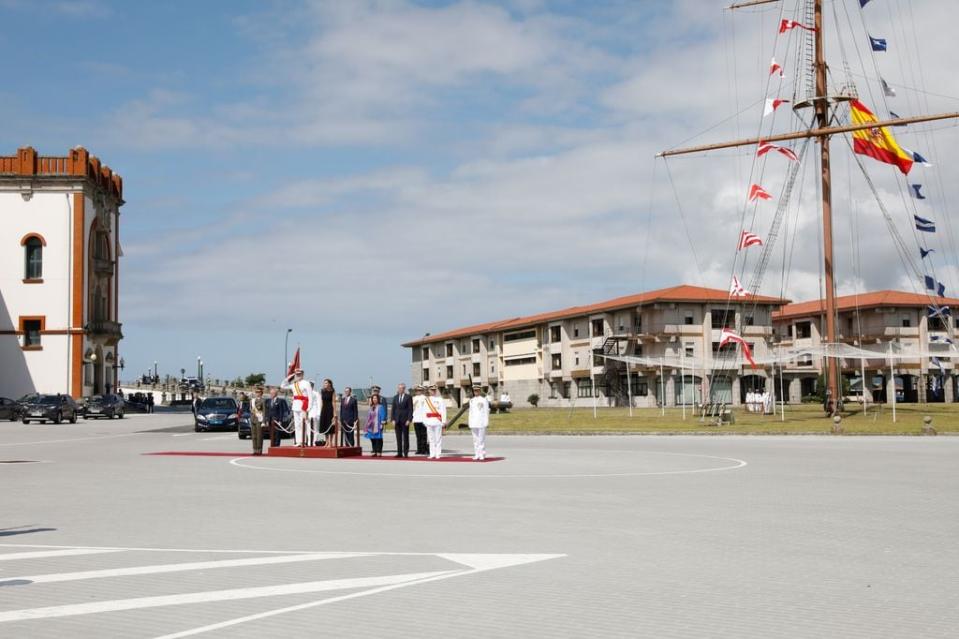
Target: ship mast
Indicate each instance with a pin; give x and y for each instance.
(821, 104)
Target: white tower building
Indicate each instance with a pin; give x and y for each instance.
(59, 274)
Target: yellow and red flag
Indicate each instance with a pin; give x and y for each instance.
(876, 142)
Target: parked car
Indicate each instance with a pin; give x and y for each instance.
(243, 431)
(51, 408)
(216, 413)
(108, 406)
(8, 409)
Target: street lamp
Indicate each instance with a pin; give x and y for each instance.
(286, 351)
(199, 367)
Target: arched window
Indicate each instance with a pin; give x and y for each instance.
(33, 258)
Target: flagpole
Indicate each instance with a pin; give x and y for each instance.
(892, 377)
(782, 397)
(629, 389)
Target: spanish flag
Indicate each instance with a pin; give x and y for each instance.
(876, 142)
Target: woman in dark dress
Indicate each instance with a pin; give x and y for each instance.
(327, 416)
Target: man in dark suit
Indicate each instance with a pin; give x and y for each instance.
(349, 416)
(276, 414)
(402, 414)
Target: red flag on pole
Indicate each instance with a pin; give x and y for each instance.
(295, 363)
(727, 336)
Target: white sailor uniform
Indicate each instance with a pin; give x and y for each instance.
(435, 420)
(479, 421)
(302, 391)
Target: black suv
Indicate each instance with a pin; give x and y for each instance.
(215, 413)
(50, 408)
(108, 406)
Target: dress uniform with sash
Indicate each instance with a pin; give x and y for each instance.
(419, 417)
(257, 419)
(479, 421)
(302, 390)
(435, 420)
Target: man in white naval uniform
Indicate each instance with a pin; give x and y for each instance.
(301, 389)
(435, 421)
(479, 421)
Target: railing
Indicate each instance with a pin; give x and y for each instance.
(103, 266)
(104, 327)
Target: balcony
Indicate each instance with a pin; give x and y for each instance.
(108, 330)
(683, 329)
(103, 266)
(758, 331)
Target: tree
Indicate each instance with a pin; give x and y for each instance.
(255, 379)
(533, 399)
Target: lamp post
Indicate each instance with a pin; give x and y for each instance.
(286, 351)
(199, 367)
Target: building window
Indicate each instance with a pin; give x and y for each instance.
(639, 323)
(449, 350)
(33, 258)
(557, 362)
(520, 361)
(464, 370)
(555, 334)
(476, 369)
(449, 372)
(31, 332)
(688, 350)
(803, 330)
(749, 320)
(722, 319)
(426, 374)
(426, 353)
(906, 322)
(638, 350)
(512, 337)
(597, 328)
(476, 345)
(937, 324)
(576, 331)
(688, 319)
(577, 360)
(584, 388)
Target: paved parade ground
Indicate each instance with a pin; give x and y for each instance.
(563, 537)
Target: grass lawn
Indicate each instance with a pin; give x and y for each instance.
(806, 418)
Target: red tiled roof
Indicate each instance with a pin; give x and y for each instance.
(682, 293)
(874, 299)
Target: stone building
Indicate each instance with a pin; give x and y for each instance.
(561, 355)
(874, 321)
(59, 289)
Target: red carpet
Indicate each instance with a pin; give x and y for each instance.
(200, 453)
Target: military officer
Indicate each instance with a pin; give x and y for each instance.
(435, 421)
(257, 418)
(479, 421)
(301, 389)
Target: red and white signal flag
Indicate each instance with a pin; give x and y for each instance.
(772, 104)
(747, 239)
(775, 67)
(727, 336)
(757, 192)
(736, 289)
(786, 25)
(766, 147)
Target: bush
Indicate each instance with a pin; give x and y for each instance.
(533, 399)
(255, 379)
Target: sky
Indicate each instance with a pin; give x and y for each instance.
(365, 172)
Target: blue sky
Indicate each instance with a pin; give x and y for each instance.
(366, 172)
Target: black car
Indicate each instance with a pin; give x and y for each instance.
(9, 409)
(51, 408)
(108, 406)
(214, 413)
(244, 429)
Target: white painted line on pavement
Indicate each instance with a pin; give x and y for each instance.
(479, 563)
(71, 610)
(41, 554)
(217, 438)
(737, 463)
(184, 434)
(77, 439)
(181, 567)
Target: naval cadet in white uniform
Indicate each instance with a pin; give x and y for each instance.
(479, 422)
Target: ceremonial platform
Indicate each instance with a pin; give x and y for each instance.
(316, 452)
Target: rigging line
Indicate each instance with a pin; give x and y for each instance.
(718, 124)
(911, 89)
(855, 47)
(682, 215)
(950, 235)
(792, 248)
(855, 243)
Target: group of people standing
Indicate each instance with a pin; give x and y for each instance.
(320, 418)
